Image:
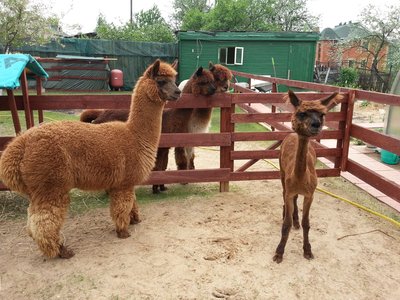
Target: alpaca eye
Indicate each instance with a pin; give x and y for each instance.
(302, 115)
(161, 82)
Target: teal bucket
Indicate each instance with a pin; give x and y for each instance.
(389, 157)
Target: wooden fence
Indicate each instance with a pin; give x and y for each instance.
(340, 128)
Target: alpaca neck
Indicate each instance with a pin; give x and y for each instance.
(301, 156)
(145, 117)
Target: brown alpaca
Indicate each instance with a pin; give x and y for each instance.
(173, 120)
(200, 119)
(297, 166)
(46, 162)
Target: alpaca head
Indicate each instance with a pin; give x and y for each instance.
(160, 79)
(309, 116)
(222, 77)
(201, 83)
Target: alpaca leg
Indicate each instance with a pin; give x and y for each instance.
(181, 159)
(161, 165)
(46, 216)
(296, 224)
(189, 151)
(134, 215)
(120, 209)
(287, 224)
(305, 223)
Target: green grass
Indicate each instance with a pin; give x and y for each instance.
(7, 125)
(14, 206)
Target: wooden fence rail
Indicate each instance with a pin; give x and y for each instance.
(339, 123)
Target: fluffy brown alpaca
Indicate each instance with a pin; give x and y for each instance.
(297, 166)
(200, 118)
(173, 120)
(46, 162)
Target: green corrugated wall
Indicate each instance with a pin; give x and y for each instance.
(293, 53)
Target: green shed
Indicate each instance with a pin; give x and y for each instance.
(289, 55)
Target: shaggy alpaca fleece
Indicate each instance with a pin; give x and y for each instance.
(297, 167)
(46, 162)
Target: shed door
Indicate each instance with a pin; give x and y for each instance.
(301, 62)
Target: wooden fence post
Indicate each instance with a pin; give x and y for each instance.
(226, 125)
(347, 129)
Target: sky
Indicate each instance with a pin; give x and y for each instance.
(85, 12)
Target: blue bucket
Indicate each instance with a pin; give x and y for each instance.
(389, 157)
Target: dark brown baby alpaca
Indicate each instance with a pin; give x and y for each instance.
(46, 162)
(297, 166)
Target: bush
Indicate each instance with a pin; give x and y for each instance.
(348, 77)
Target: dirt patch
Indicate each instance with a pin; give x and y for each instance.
(214, 247)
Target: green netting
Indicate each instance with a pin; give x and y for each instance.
(132, 57)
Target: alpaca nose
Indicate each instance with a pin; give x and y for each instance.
(315, 124)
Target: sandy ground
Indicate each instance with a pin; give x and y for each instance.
(214, 247)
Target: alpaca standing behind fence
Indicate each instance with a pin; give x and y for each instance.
(297, 166)
(46, 162)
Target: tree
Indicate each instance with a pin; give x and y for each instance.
(147, 26)
(377, 29)
(184, 7)
(23, 22)
(244, 15)
(293, 15)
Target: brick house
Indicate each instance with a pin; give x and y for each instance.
(327, 53)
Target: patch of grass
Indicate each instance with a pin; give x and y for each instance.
(14, 206)
(240, 127)
(7, 125)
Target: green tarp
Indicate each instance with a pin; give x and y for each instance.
(12, 66)
(131, 57)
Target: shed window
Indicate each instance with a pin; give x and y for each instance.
(231, 55)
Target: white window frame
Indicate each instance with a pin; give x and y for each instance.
(236, 56)
(237, 60)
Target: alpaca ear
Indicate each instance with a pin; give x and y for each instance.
(175, 64)
(211, 66)
(153, 71)
(199, 71)
(330, 101)
(293, 98)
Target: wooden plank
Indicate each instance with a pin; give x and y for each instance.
(275, 98)
(379, 182)
(292, 83)
(267, 175)
(346, 139)
(267, 154)
(194, 139)
(388, 99)
(4, 140)
(182, 176)
(251, 162)
(280, 135)
(25, 97)
(226, 126)
(377, 139)
(14, 111)
(199, 101)
(279, 117)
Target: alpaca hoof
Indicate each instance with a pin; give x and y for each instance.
(163, 188)
(135, 220)
(296, 225)
(278, 258)
(155, 189)
(65, 252)
(308, 255)
(123, 234)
